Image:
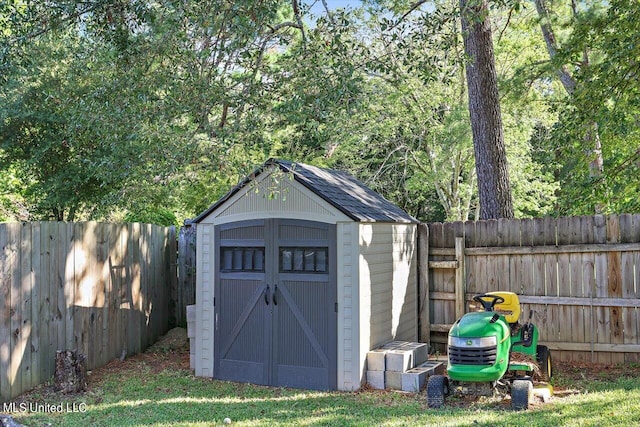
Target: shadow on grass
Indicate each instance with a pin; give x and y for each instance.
(177, 398)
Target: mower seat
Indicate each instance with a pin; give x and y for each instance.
(510, 308)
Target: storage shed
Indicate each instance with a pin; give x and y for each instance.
(300, 272)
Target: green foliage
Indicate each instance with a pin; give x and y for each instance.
(117, 102)
(158, 216)
(13, 206)
(391, 108)
(602, 41)
(153, 110)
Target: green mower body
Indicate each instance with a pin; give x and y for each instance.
(490, 349)
(480, 346)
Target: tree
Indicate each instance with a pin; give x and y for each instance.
(592, 132)
(371, 108)
(484, 107)
(390, 108)
(529, 109)
(591, 47)
(134, 100)
(154, 109)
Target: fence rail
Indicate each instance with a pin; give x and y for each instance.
(102, 289)
(579, 276)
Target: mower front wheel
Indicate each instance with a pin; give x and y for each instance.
(437, 389)
(521, 394)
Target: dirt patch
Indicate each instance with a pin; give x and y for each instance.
(171, 352)
(584, 371)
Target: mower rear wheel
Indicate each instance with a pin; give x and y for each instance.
(544, 361)
(521, 394)
(437, 389)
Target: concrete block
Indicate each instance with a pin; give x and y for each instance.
(414, 379)
(376, 379)
(393, 380)
(393, 345)
(376, 360)
(433, 367)
(399, 360)
(544, 392)
(420, 353)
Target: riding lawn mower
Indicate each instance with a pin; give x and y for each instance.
(491, 350)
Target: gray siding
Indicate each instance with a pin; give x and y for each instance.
(204, 301)
(350, 371)
(388, 259)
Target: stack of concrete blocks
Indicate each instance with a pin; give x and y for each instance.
(401, 365)
(191, 334)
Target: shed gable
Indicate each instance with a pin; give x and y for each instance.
(271, 195)
(330, 194)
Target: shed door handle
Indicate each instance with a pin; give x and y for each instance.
(266, 295)
(273, 296)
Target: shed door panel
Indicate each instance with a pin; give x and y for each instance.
(241, 346)
(276, 326)
(305, 317)
(242, 330)
(303, 353)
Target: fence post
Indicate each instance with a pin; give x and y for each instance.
(424, 322)
(461, 276)
(172, 273)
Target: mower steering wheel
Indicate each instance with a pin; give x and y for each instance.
(489, 302)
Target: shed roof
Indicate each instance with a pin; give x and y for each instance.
(338, 188)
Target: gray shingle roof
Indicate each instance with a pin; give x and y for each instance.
(338, 188)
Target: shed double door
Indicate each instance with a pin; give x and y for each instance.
(275, 303)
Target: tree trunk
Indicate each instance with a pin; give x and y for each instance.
(494, 189)
(71, 372)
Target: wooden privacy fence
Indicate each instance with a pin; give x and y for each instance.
(579, 276)
(186, 292)
(101, 289)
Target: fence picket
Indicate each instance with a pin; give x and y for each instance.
(586, 262)
(39, 330)
(15, 347)
(627, 260)
(48, 302)
(469, 242)
(62, 287)
(5, 315)
(26, 286)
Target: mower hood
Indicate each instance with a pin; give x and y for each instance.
(480, 324)
(479, 347)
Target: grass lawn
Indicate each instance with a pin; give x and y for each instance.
(158, 389)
